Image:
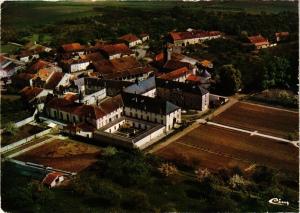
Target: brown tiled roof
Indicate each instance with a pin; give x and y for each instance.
(70, 97)
(111, 104)
(112, 49)
(129, 37)
(28, 93)
(51, 177)
(92, 57)
(54, 80)
(24, 76)
(175, 74)
(40, 64)
(173, 65)
(206, 63)
(72, 47)
(193, 34)
(115, 67)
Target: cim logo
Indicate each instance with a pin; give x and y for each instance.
(277, 201)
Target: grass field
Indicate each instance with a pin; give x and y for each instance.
(22, 132)
(215, 148)
(14, 14)
(67, 154)
(265, 120)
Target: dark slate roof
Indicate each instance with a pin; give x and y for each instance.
(145, 103)
(205, 74)
(141, 87)
(185, 87)
(106, 83)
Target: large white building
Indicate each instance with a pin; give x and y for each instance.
(152, 110)
(72, 112)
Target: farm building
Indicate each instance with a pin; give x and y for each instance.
(192, 37)
(131, 40)
(259, 42)
(53, 179)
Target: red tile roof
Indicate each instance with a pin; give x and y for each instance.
(193, 34)
(175, 74)
(82, 110)
(173, 65)
(72, 47)
(70, 97)
(50, 177)
(129, 37)
(112, 49)
(258, 40)
(28, 93)
(40, 64)
(117, 66)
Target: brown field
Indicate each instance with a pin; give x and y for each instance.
(215, 148)
(265, 120)
(67, 155)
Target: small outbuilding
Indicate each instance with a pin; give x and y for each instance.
(53, 179)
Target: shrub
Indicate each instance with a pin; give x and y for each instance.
(167, 169)
(11, 128)
(201, 174)
(109, 151)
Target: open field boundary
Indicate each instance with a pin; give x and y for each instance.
(254, 133)
(23, 141)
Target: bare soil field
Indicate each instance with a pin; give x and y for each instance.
(67, 155)
(215, 148)
(265, 120)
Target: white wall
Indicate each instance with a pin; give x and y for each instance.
(79, 66)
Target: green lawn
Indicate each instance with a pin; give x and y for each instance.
(14, 14)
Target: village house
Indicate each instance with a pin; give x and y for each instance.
(74, 65)
(146, 88)
(149, 109)
(125, 68)
(131, 40)
(27, 56)
(282, 36)
(71, 112)
(42, 64)
(192, 37)
(179, 75)
(34, 96)
(53, 179)
(22, 80)
(187, 96)
(67, 51)
(112, 51)
(259, 41)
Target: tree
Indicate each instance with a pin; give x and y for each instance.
(229, 79)
(201, 174)
(109, 151)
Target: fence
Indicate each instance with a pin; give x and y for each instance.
(26, 120)
(23, 141)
